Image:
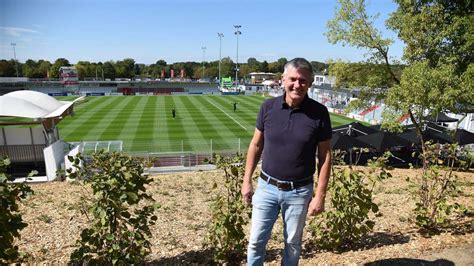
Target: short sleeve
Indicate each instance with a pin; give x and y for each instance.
(260, 118)
(325, 126)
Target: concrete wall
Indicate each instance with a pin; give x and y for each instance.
(53, 158)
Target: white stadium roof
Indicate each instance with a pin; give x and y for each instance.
(32, 104)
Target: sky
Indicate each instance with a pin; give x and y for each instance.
(176, 30)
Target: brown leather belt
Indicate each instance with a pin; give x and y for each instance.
(285, 185)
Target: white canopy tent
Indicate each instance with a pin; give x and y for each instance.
(269, 83)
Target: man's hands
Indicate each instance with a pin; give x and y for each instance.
(247, 192)
(316, 206)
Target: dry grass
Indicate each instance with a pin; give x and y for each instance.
(55, 219)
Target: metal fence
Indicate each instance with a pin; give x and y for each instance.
(171, 153)
(23, 153)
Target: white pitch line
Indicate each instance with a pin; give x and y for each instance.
(226, 114)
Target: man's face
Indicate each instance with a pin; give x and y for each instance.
(296, 83)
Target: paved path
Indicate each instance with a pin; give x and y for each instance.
(459, 256)
(173, 169)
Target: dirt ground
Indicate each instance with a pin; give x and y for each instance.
(55, 221)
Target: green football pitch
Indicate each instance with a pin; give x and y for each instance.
(145, 123)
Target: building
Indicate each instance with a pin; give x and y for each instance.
(260, 77)
(57, 87)
(321, 78)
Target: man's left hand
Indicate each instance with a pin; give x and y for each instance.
(316, 206)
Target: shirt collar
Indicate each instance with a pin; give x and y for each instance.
(303, 104)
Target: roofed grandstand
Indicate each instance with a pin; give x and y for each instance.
(56, 87)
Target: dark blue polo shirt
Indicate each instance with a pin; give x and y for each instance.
(291, 137)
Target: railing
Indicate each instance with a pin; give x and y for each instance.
(23, 153)
(170, 153)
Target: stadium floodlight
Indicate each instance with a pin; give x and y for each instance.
(203, 59)
(237, 33)
(14, 56)
(220, 35)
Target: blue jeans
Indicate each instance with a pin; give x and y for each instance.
(267, 202)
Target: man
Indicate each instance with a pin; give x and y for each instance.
(235, 106)
(173, 113)
(289, 131)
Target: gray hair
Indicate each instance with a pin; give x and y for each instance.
(299, 63)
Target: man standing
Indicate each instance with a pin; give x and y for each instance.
(173, 113)
(290, 130)
(235, 106)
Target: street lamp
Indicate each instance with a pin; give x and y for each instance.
(203, 59)
(220, 55)
(14, 55)
(237, 33)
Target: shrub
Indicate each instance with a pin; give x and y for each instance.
(11, 222)
(436, 186)
(121, 213)
(226, 237)
(347, 220)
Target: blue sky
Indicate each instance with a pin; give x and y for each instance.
(175, 30)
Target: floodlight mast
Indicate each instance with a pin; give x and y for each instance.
(203, 60)
(14, 56)
(237, 33)
(220, 35)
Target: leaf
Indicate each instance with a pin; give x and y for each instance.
(132, 196)
(110, 237)
(375, 208)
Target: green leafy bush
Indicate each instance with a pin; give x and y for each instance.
(226, 237)
(436, 186)
(121, 211)
(11, 222)
(347, 219)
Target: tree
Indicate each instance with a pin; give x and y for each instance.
(125, 68)
(319, 66)
(244, 71)
(138, 69)
(85, 69)
(29, 68)
(264, 66)
(353, 26)
(438, 76)
(438, 38)
(227, 67)
(439, 31)
(7, 68)
(435, 67)
(254, 65)
(33, 69)
(161, 62)
(43, 68)
(109, 70)
(277, 67)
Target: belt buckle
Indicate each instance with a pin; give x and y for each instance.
(283, 185)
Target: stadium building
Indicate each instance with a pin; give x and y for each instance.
(68, 85)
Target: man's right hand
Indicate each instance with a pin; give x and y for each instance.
(247, 192)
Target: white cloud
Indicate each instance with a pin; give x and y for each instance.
(15, 32)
